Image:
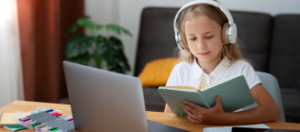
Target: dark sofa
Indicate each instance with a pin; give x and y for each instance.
(272, 43)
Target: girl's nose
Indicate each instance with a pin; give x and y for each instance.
(201, 44)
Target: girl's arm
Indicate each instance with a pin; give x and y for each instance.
(266, 111)
(167, 109)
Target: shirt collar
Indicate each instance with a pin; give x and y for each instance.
(217, 73)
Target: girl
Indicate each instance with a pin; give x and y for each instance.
(203, 47)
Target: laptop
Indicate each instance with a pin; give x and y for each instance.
(107, 101)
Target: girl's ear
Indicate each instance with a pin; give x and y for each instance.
(224, 38)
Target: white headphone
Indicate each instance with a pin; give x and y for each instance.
(229, 30)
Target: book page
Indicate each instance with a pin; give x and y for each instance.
(204, 83)
(181, 87)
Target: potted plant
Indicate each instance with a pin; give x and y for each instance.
(97, 50)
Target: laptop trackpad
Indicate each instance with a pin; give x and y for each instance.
(158, 127)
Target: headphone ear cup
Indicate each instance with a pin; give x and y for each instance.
(178, 40)
(224, 36)
(229, 33)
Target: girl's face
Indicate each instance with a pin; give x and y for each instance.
(204, 38)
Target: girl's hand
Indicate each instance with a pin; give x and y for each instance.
(200, 115)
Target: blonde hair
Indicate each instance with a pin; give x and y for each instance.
(232, 51)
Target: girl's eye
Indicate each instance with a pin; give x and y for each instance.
(192, 38)
(209, 37)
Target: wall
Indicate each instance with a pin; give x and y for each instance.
(127, 13)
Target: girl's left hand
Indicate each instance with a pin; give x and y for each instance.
(200, 115)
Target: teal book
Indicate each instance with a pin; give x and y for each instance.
(15, 128)
(234, 92)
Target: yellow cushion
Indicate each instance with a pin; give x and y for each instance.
(157, 72)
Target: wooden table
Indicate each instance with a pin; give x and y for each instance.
(164, 118)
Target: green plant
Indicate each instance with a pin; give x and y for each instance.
(95, 49)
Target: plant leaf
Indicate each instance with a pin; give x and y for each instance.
(116, 42)
(98, 26)
(78, 45)
(123, 60)
(71, 46)
(108, 53)
(119, 55)
(117, 68)
(100, 41)
(81, 59)
(75, 26)
(72, 29)
(118, 29)
(85, 22)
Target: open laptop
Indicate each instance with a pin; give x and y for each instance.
(107, 101)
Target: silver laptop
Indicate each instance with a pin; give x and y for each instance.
(104, 101)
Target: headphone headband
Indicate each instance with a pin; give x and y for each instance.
(210, 2)
(229, 29)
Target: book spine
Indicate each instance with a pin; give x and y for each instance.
(204, 100)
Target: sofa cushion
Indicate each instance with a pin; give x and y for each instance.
(254, 30)
(285, 50)
(157, 72)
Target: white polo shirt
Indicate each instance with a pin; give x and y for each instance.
(186, 74)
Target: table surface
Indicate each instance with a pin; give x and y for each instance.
(165, 118)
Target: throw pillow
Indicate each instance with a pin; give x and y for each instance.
(157, 72)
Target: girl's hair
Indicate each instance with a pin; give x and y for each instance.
(232, 51)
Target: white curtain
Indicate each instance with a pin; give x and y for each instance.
(11, 79)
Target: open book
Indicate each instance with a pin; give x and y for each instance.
(234, 92)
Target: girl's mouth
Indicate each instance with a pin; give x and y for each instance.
(204, 53)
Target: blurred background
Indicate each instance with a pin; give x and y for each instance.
(32, 38)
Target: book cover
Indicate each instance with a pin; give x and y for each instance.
(234, 92)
